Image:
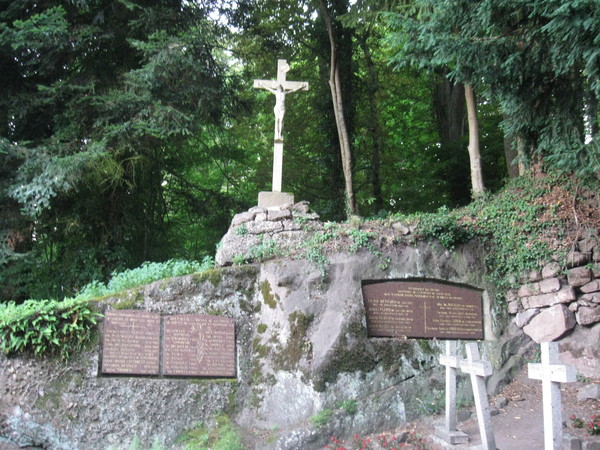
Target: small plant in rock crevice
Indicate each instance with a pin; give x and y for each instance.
(223, 436)
(350, 406)
(322, 418)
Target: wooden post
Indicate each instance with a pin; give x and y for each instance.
(552, 374)
(479, 370)
(449, 432)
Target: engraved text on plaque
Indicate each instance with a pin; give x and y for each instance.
(423, 309)
(199, 345)
(131, 343)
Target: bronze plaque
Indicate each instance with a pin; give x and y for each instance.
(199, 345)
(131, 343)
(423, 309)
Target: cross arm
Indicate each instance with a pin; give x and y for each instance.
(266, 84)
(553, 372)
(293, 86)
(479, 368)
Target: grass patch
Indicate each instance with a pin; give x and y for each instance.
(223, 436)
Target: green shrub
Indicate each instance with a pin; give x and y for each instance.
(46, 326)
(52, 326)
(146, 273)
(224, 436)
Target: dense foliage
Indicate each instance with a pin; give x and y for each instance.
(63, 327)
(130, 132)
(540, 59)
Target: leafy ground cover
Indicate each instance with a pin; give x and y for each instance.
(531, 221)
(64, 326)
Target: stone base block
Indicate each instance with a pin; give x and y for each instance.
(267, 199)
(452, 437)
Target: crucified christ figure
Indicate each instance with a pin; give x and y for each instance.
(280, 88)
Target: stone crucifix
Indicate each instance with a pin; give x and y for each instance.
(280, 87)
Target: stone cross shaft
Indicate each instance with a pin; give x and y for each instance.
(479, 370)
(280, 87)
(449, 432)
(552, 374)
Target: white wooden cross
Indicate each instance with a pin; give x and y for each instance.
(280, 87)
(449, 432)
(552, 374)
(479, 370)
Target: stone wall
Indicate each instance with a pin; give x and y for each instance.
(564, 305)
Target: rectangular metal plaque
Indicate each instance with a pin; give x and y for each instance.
(423, 309)
(131, 343)
(199, 345)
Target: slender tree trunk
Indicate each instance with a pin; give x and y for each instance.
(511, 154)
(373, 87)
(474, 154)
(338, 109)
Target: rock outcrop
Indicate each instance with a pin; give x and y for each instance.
(301, 341)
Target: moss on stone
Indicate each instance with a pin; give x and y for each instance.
(246, 306)
(289, 357)
(426, 347)
(347, 356)
(129, 303)
(262, 327)
(53, 394)
(390, 352)
(212, 275)
(258, 349)
(268, 297)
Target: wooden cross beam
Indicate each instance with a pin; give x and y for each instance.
(552, 374)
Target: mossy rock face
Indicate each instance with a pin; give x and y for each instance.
(301, 346)
(129, 303)
(269, 298)
(298, 344)
(213, 276)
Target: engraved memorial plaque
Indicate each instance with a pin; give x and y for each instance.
(131, 343)
(199, 345)
(423, 309)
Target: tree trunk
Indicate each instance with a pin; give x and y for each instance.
(338, 110)
(373, 87)
(474, 154)
(449, 103)
(511, 154)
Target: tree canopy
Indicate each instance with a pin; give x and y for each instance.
(130, 132)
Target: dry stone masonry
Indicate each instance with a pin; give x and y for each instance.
(559, 302)
(563, 299)
(281, 227)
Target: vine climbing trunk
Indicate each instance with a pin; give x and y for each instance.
(338, 111)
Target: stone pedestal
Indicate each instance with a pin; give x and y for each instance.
(268, 199)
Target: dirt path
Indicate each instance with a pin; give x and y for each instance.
(518, 425)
